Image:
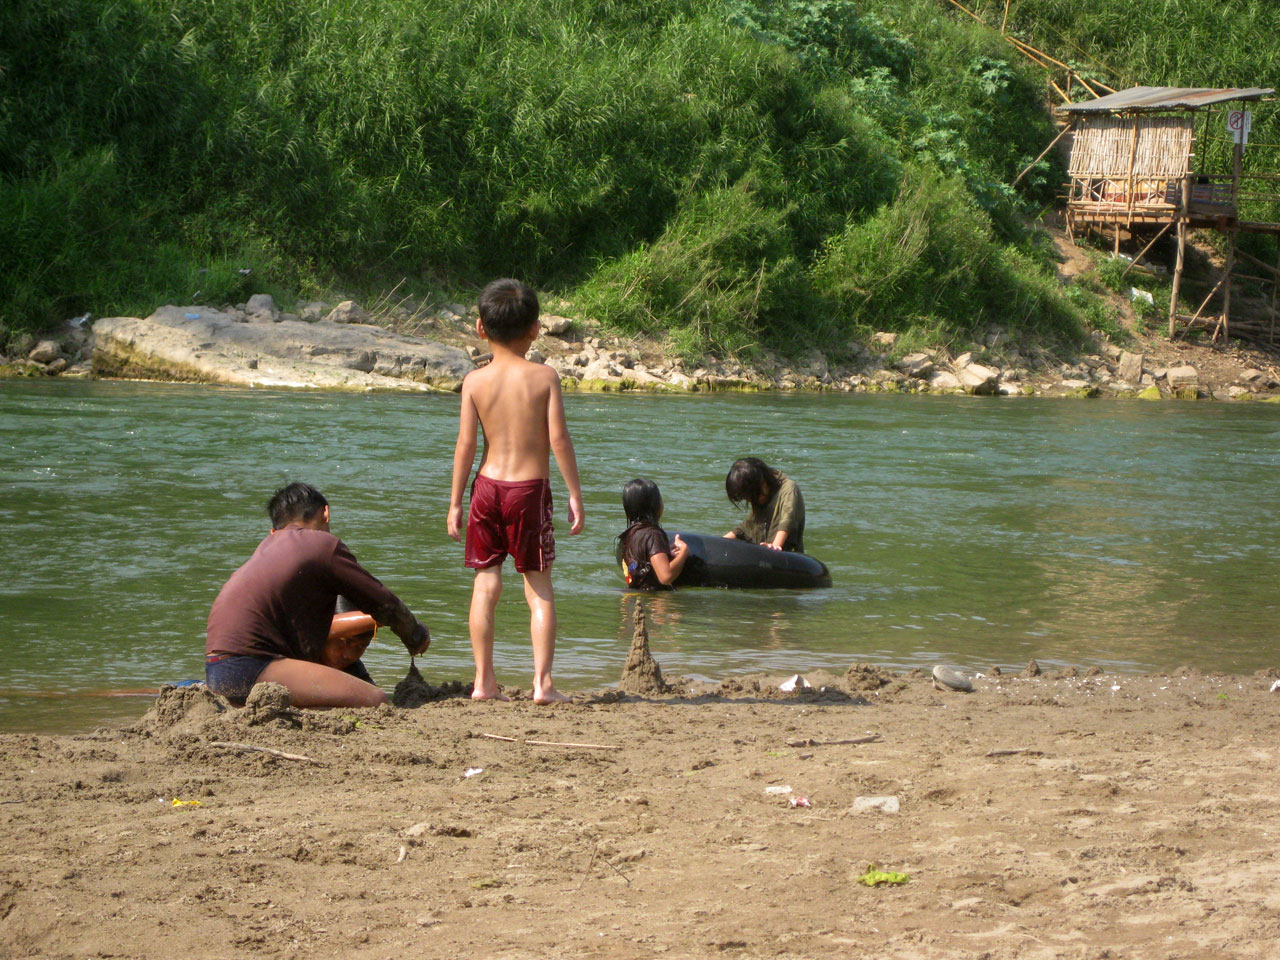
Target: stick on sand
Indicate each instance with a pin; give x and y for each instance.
(810, 742)
(267, 750)
(552, 743)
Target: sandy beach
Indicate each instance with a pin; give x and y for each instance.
(1046, 817)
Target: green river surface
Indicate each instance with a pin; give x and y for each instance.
(1134, 536)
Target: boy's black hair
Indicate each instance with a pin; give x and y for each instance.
(508, 308)
(297, 501)
(748, 478)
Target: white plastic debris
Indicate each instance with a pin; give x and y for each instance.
(473, 771)
(883, 804)
(1136, 294)
(1275, 686)
(795, 683)
(777, 791)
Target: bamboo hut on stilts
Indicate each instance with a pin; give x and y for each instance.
(1134, 168)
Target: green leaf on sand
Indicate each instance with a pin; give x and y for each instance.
(875, 876)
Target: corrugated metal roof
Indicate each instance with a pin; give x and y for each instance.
(1163, 98)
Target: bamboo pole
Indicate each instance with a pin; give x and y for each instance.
(1005, 21)
(956, 3)
(1089, 84)
(1237, 162)
(1031, 53)
(1151, 243)
(1246, 255)
(1061, 133)
(1133, 152)
(1182, 251)
(1209, 296)
(1275, 288)
(1028, 48)
(1226, 294)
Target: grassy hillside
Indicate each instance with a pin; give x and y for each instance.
(726, 173)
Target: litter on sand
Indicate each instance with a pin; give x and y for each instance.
(799, 802)
(883, 804)
(777, 791)
(795, 683)
(474, 771)
(186, 803)
(874, 876)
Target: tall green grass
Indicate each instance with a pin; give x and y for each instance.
(721, 172)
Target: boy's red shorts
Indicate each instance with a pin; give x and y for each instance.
(510, 517)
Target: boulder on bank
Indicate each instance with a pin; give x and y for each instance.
(202, 345)
(46, 351)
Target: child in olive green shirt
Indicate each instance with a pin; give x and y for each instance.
(775, 518)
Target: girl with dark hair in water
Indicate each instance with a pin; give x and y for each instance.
(649, 560)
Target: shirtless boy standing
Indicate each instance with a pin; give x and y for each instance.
(518, 405)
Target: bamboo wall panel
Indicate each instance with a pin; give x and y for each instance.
(1103, 146)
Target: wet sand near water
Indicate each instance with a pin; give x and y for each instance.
(1049, 817)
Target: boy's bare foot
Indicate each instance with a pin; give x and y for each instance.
(549, 695)
(488, 694)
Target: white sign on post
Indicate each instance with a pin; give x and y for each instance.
(1239, 122)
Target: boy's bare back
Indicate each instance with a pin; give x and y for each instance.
(516, 402)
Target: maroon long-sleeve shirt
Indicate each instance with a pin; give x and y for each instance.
(280, 603)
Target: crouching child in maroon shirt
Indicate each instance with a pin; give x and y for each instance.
(271, 621)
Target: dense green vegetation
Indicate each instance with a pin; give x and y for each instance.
(731, 174)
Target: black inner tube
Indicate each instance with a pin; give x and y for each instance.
(721, 562)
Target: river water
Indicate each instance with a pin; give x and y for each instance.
(1134, 536)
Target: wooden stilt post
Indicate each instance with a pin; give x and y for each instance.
(1183, 206)
(1275, 289)
(1150, 243)
(1117, 250)
(1226, 293)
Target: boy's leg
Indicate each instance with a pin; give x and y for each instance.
(484, 599)
(542, 631)
(315, 685)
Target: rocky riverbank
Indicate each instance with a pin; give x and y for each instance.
(344, 347)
